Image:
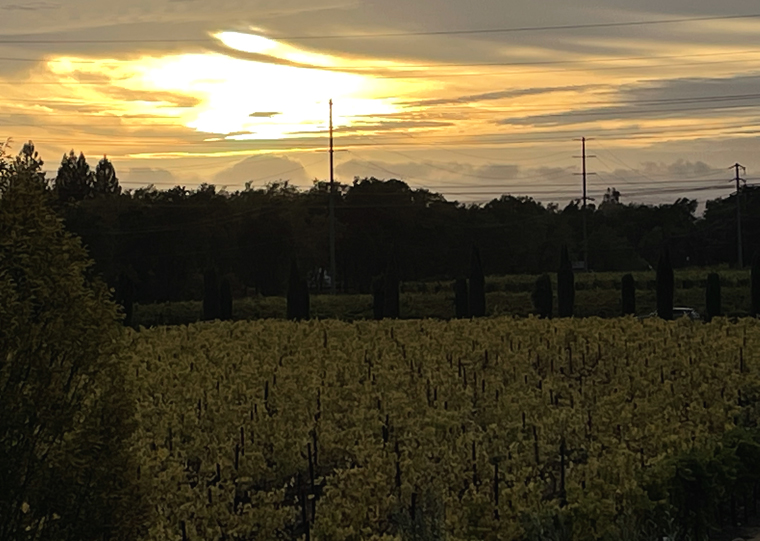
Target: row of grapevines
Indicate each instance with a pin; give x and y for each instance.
(424, 429)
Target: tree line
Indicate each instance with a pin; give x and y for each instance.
(159, 245)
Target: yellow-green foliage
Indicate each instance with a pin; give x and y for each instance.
(64, 469)
(625, 396)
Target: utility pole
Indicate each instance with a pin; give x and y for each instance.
(584, 199)
(738, 179)
(333, 277)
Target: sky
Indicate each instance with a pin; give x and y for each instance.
(469, 99)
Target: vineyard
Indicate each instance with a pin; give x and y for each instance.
(502, 429)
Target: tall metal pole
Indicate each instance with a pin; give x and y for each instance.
(333, 276)
(584, 201)
(740, 258)
(585, 227)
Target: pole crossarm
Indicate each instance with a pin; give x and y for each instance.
(739, 245)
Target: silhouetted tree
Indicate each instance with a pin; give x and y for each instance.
(29, 163)
(461, 305)
(105, 182)
(378, 297)
(755, 285)
(210, 295)
(225, 300)
(628, 293)
(712, 296)
(665, 286)
(565, 285)
(75, 180)
(477, 296)
(542, 296)
(298, 294)
(305, 299)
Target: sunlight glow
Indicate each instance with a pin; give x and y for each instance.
(239, 99)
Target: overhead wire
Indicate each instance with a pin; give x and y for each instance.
(501, 30)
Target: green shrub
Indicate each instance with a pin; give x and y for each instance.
(65, 471)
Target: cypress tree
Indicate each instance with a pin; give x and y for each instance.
(712, 296)
(298, 295)
(565, 285)
(628, 289)
(755, 293)
(378, 297)
(461, 306)
(665, 286)
(477, 296)
(305, 299)
(210, 295)
(225, 300)
(390, 288)
(543, 297)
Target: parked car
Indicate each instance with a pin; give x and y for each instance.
(680, 311)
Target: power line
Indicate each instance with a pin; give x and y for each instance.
(645, 66)
(503, 30)
(546, 62)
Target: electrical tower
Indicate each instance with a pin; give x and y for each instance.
(333, 277)
(584, 199)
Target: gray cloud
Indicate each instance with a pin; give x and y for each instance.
(31, 6)
(143, 176)
(664, 99)
(261, 170)
(392, 125)
(427, 170)
(499, 95)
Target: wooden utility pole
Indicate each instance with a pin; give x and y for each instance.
(333, 277)
(584, 199)
(738, 179)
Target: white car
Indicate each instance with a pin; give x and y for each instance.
(680, 311)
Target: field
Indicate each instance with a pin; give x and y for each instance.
(597, 294)
(499, 428)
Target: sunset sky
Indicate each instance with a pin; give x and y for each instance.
(471, 99)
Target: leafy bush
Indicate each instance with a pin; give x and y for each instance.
(64, 470)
